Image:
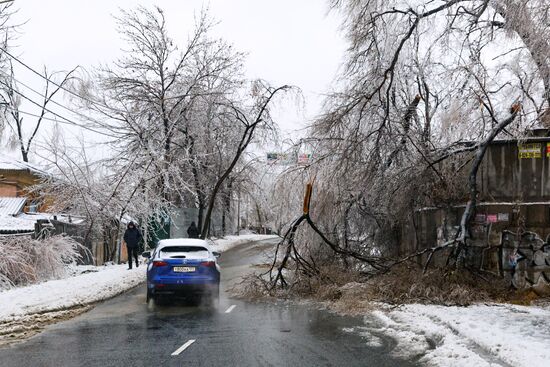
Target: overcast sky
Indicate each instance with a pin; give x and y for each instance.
(287, 41)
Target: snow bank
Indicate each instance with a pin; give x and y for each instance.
(481, 335)
(224, 244)
(97, 284)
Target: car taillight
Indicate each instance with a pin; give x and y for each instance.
(210, 264)
(159, 263)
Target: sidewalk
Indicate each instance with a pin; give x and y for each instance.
(478, 335)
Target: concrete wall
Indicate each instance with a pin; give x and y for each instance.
(510, 231)
(506, 176)
(515, 247)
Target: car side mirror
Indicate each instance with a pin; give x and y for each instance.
(216, 254)
(146, 254)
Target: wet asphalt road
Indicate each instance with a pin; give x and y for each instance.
(125, 331)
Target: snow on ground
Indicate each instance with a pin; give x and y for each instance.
(224, 244)
(480, 335)
(97, 284)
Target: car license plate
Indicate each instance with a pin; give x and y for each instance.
(184, 269)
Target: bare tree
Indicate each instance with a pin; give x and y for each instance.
(26, 133)
(148, 99)
(186, 112)
(6, 35)
(256, 118)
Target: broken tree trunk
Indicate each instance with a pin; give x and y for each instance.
(459, 243)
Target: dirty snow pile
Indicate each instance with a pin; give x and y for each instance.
(97, 284)
(480, 335)
(224, 244)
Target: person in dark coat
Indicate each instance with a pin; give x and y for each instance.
(193, 231)
(132, 236)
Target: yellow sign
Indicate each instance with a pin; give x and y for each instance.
(531, 150)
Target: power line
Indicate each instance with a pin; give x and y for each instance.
(41, 94)
(67, 121)
(51, 100)
(57, 84)
(54, 102)
(60, 86)
(84, 98)
(61, 122)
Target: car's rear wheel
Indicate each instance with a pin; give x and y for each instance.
(215, 296)
(153, 299)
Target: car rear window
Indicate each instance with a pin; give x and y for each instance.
(169, 249)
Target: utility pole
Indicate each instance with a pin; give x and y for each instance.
(239, 210)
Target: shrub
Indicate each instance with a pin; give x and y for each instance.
(25, 261)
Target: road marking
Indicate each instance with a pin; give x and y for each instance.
(183, 347)
(230, 308)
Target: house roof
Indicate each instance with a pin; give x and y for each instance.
(9, 224)
(12, 206)
(7, 164)
(63, 218)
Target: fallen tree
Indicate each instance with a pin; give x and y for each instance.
(377, 264)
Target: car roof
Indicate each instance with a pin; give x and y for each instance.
(193, 242)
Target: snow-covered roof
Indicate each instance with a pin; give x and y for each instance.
(8, 164)
(11, 206)
(9, 224)
(65, 218)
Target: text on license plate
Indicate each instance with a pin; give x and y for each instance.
(184, 269)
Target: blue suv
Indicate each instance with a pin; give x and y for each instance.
(182, 268)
